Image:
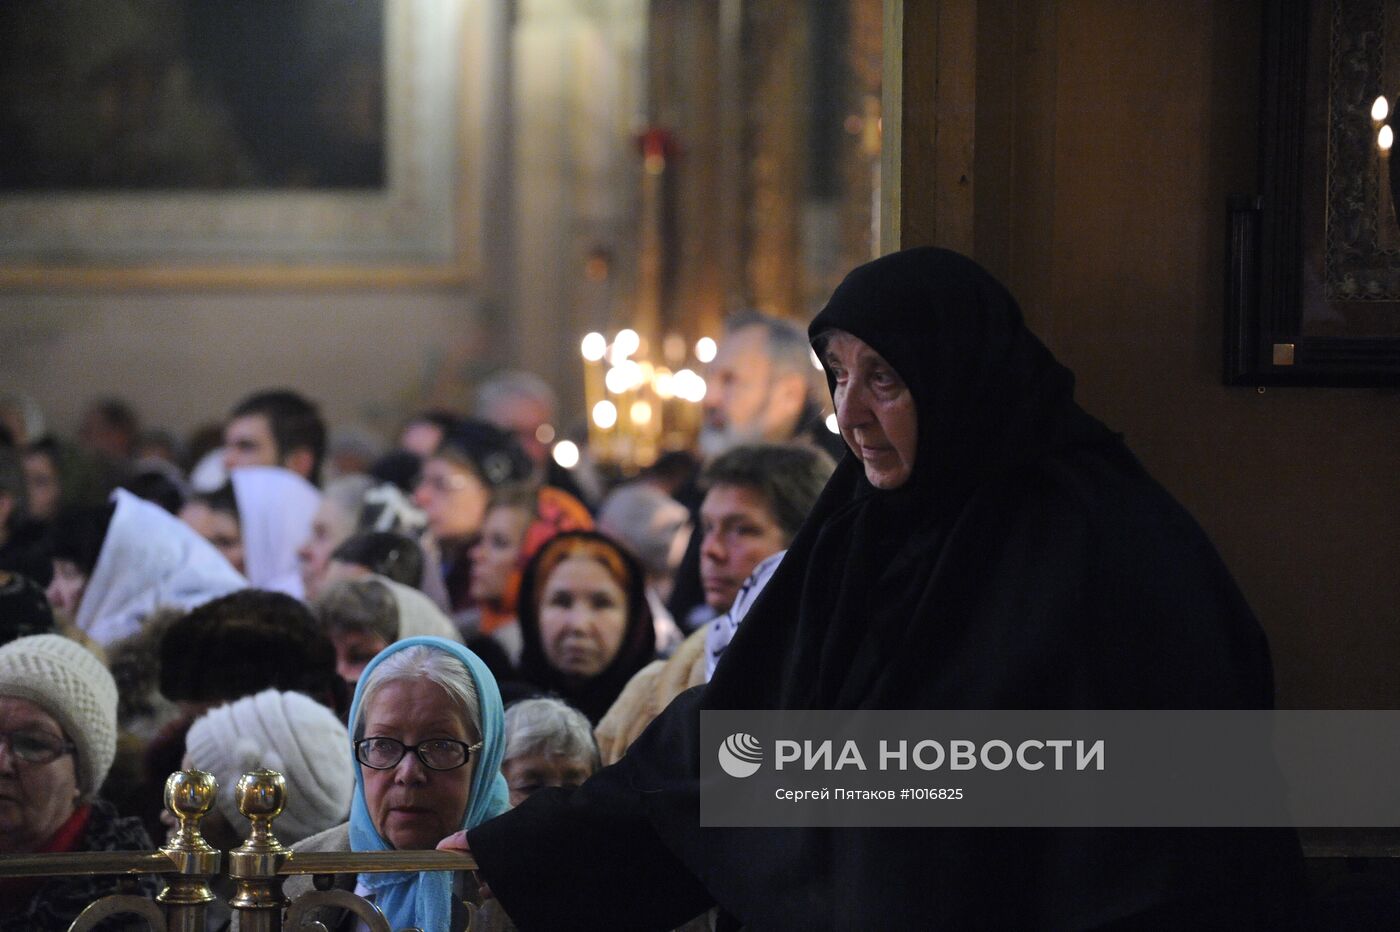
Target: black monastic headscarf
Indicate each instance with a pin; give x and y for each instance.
(991, 402)
(1027, 563)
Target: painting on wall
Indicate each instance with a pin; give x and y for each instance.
(1313, 293)
(191, 95)
(274, 141)
(1314, 273)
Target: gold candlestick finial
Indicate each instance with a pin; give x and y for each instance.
(189, 795)
(258, 898)
(261, 795)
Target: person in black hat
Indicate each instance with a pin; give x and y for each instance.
(454, 489)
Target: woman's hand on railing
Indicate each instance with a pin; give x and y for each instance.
(458, 842)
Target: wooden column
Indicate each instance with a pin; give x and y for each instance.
(776, 33)
(686, 61)
(928, 181)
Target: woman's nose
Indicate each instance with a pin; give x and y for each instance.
(580, 618)
(410, 769)
(851, 410)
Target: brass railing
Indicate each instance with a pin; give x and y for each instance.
(257, 867)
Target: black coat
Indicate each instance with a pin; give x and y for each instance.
(1028, 563)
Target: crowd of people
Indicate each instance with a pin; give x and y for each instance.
(453, 642)
(224, 604)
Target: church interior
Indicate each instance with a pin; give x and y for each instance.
(383, 206)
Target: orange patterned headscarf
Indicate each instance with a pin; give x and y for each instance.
(555, 511)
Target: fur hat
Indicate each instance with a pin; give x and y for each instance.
(286, 732)
(68, 682)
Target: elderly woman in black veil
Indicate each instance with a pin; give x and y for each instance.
(985, 545)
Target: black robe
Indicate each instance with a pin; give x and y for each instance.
(1028, 563)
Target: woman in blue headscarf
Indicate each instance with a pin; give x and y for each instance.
(428, 735)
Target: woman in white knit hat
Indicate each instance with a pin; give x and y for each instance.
(58, 735)
(288, 732)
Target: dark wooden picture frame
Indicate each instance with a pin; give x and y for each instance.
(1278, 238)
(421, 226)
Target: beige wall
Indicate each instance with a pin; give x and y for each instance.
(186, 357)
(559, 93)
(1131, 123)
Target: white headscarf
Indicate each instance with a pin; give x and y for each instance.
(283, 731)
(275, 510)
(418, 615)
(149, 558)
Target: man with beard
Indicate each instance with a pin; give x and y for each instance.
(761, 388)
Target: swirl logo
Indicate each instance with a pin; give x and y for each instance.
(740, 755)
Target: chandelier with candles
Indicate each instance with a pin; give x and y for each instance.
(639, 405)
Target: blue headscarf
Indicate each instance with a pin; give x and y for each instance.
(424, 900)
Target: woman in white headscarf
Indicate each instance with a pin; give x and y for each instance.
(148, 559)
(275, 510)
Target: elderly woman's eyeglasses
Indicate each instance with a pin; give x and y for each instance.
(437, 754)
(34, 747)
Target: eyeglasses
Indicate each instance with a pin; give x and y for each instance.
(437, 754)
(451, 482)
(35, 747)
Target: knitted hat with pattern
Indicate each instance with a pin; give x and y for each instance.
(68, 682)
(283, 731)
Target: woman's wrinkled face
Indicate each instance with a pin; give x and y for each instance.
(528, 773)
(583, 616)
(65, 591)
(453, 497)
(495, 554)
(330, 527)
(874, 409)
(35, 798)
(412, 806)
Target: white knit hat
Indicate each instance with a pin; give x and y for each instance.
(286, 732)
(67, 681)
